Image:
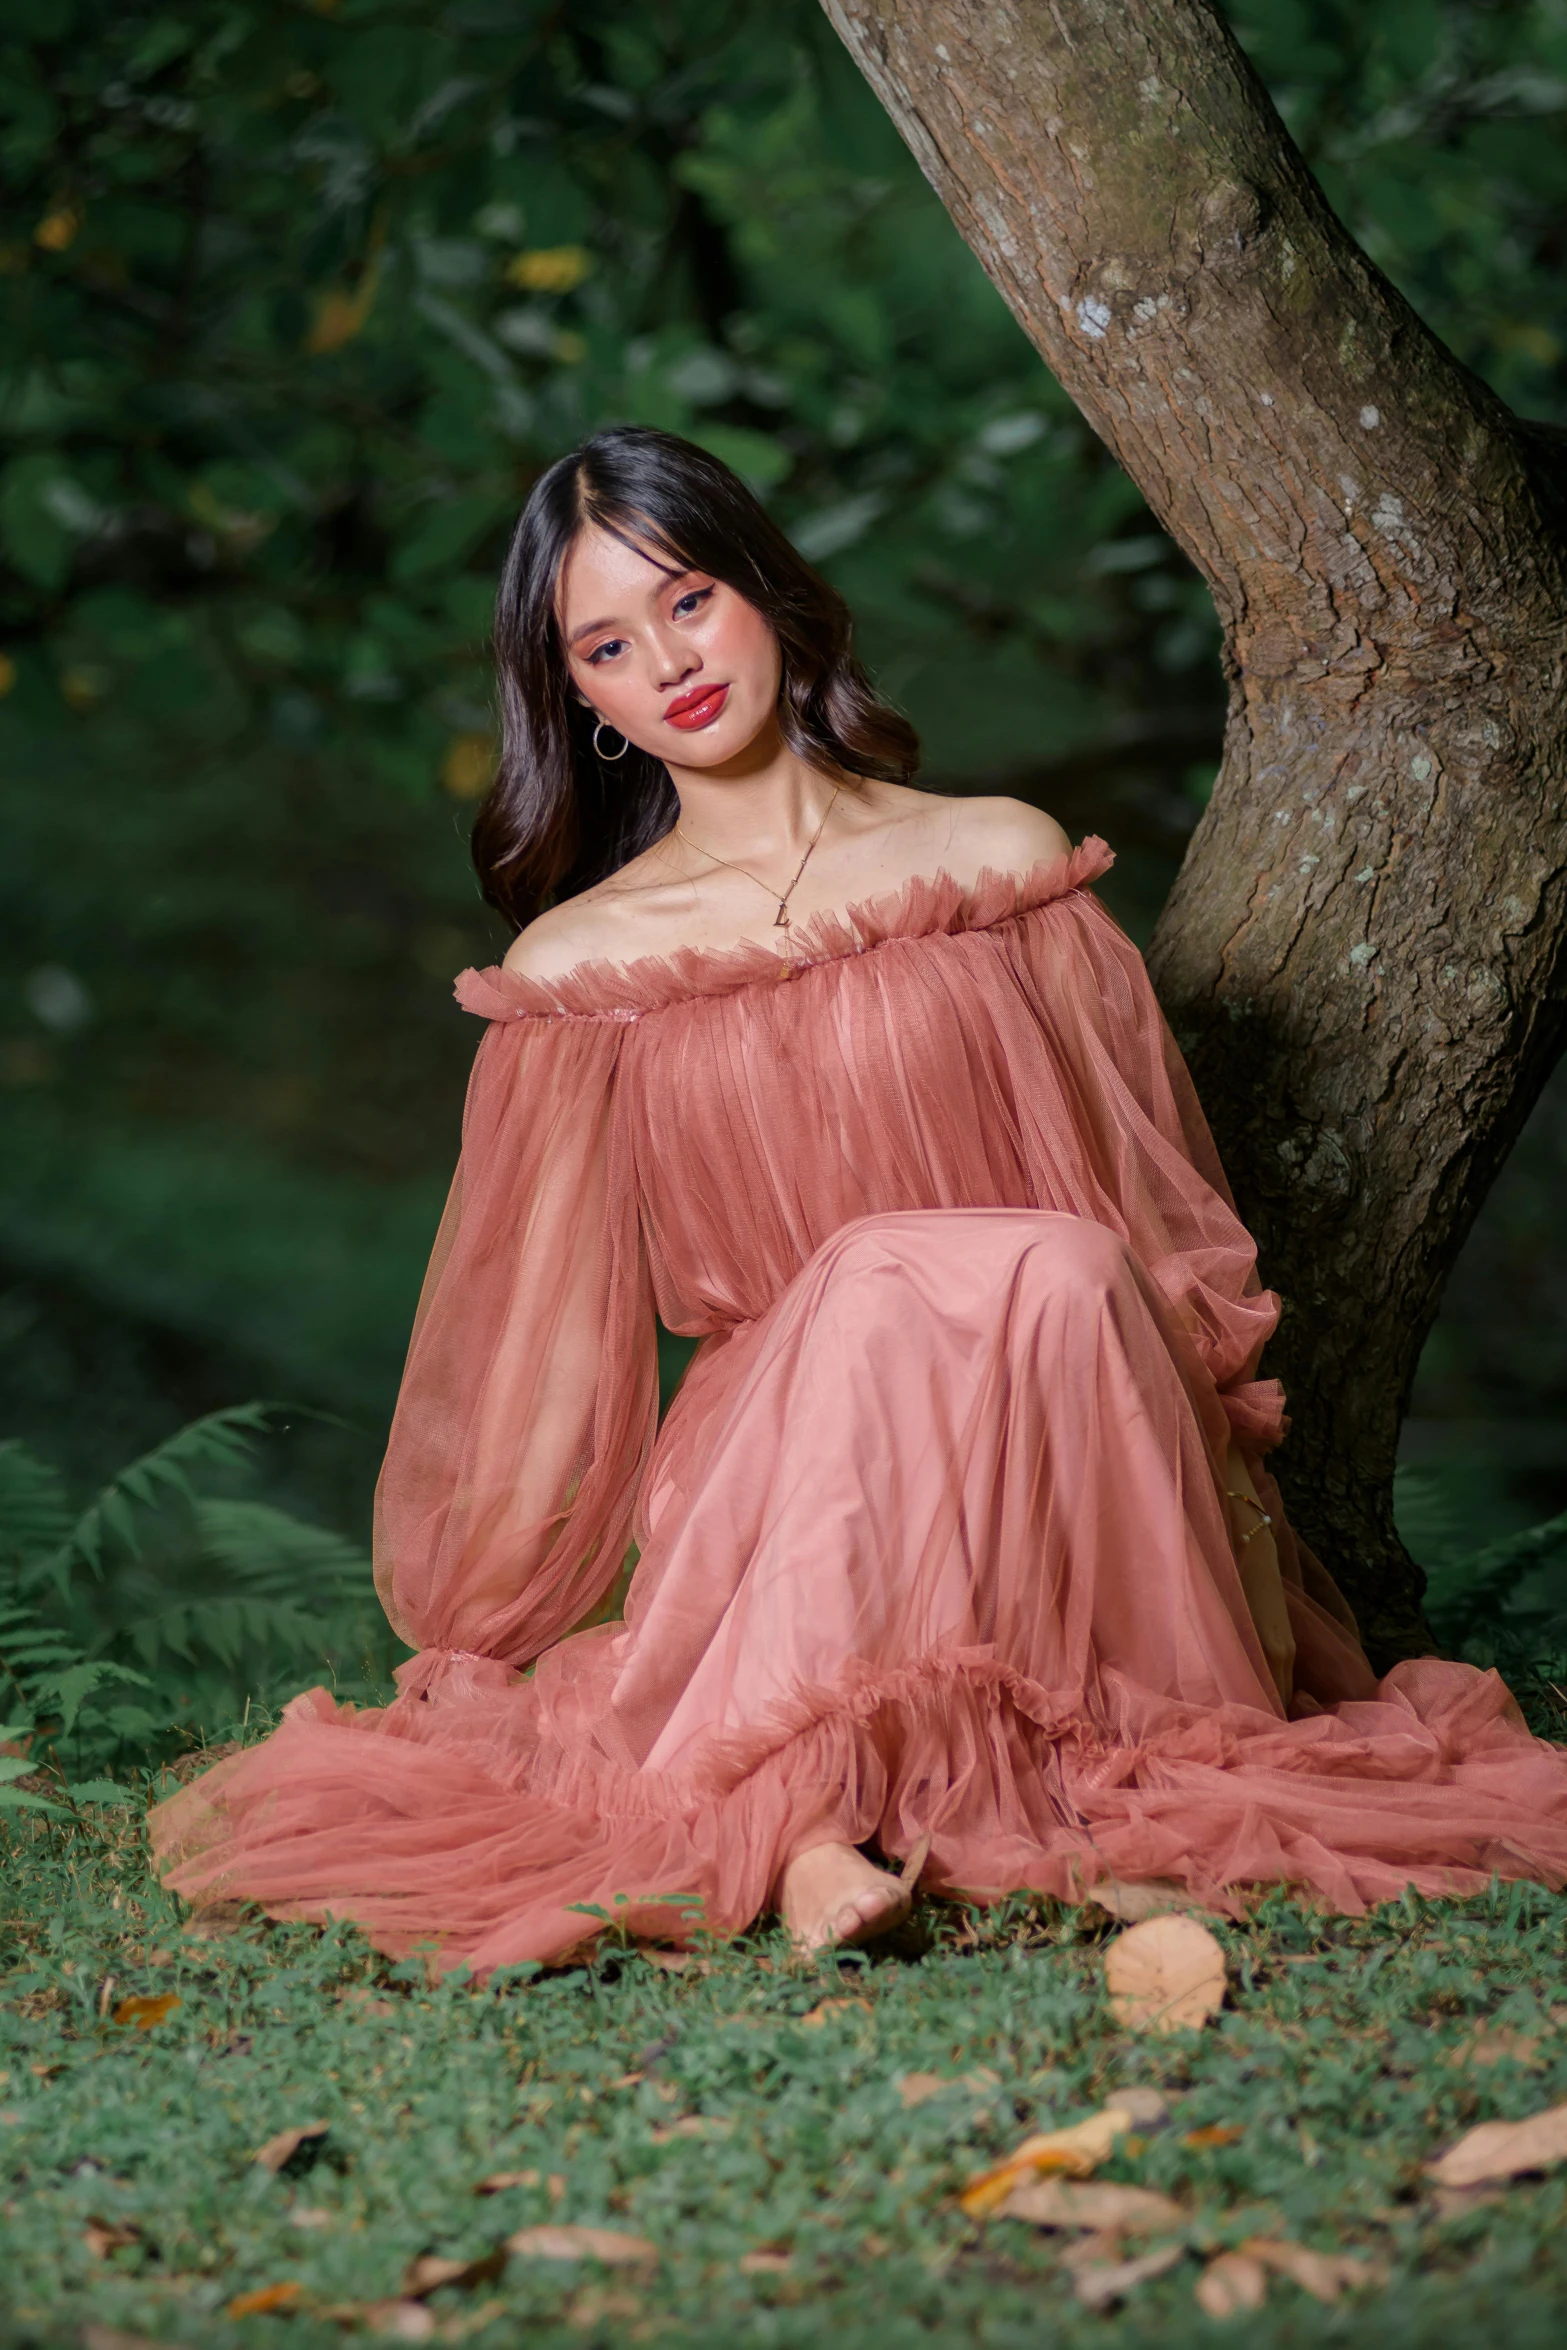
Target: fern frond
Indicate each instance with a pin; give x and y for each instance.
(280, 1557)
(220, 1440)
(1480, 1593)
(228, 1630)
(34, 1515)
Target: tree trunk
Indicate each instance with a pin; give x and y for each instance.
(1363, 955)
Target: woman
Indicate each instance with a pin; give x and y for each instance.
(957, 1539)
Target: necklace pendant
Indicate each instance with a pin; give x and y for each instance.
(781, 918)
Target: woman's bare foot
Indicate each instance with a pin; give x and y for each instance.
(832, 1895)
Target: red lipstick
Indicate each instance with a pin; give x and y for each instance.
(698, 708)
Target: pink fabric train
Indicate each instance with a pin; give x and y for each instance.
(934, 1537)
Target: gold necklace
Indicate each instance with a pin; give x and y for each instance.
(781, 919)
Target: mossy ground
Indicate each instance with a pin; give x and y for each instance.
(133, 2208)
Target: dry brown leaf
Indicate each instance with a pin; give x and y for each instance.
(1216, 2134)
(1071, 2203)
(367, 2001)
(103, 2236)
(1166, 1975)
(1149, 2108)
(1231, 2283)
(1503, 2150)
(557, 2242)
(691, 2125)
(1130, 1904)
(917, 2088)
(216, 1921)
(429, 2273)
(764, 2264)
(1496, 2045)
(597, 2305)
(1101, 2283)
(1077, 2152)
(1324, 2275)
(282, 2149)
(403, 2321)
(499, 2180)
(144, 2012)
(310, 2215)
(825, 2008)
(268, 2298)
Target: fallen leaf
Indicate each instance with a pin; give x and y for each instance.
(403, 2321)
(594, 2306)
(270, 2297)
(310, 2215)
(1503, 2150)
(1324, 2275)
(691, 2125)
(917, 2088)
(831, 2007)
(1166, 1975)
(566, 2243)
(626, 2081)
(1231, 2283)
(1077, 2151)
(1070, 2203)
(103, 2236)
(1498, 2045)
(499, 2180)
(1149, 2108)
(429, 2273)
(146, 2011)
(1130, 1904)
(1102, 2283)
(278, 2152)
(216, 1921)
(367, 2002)
(1216, 2134)
(764, 2264)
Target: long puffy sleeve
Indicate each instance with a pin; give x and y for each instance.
(1112, 1128)
(529, 1399)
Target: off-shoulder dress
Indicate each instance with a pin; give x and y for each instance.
(934, 1539)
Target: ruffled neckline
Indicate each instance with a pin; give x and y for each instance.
(928, 906)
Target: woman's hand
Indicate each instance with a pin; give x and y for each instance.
(1257, 1557)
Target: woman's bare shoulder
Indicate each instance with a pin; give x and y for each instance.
(604, 924)
(996, 835)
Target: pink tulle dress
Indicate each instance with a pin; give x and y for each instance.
(934, 1539)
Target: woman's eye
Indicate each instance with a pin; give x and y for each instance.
(691, 602)
(614, 644)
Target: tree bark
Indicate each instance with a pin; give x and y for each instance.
(1365, 953)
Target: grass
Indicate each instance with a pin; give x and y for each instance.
(134, 2211)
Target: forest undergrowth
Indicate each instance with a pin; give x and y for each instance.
(217, 2130)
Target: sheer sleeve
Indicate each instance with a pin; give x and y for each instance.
(530, 1394)
(1112, 1128)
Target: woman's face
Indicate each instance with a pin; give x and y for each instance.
(677, 662)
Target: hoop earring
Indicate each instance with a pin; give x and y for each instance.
(609, 757)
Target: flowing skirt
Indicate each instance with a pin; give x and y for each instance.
(938, 1547)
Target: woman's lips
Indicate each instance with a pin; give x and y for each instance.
(697, 709)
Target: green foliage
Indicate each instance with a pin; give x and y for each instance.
(159, 1613)
(1436, 128)
(1339, 2062)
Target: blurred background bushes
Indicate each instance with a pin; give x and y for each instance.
(298, 301)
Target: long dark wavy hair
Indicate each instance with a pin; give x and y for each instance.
(557, 817)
